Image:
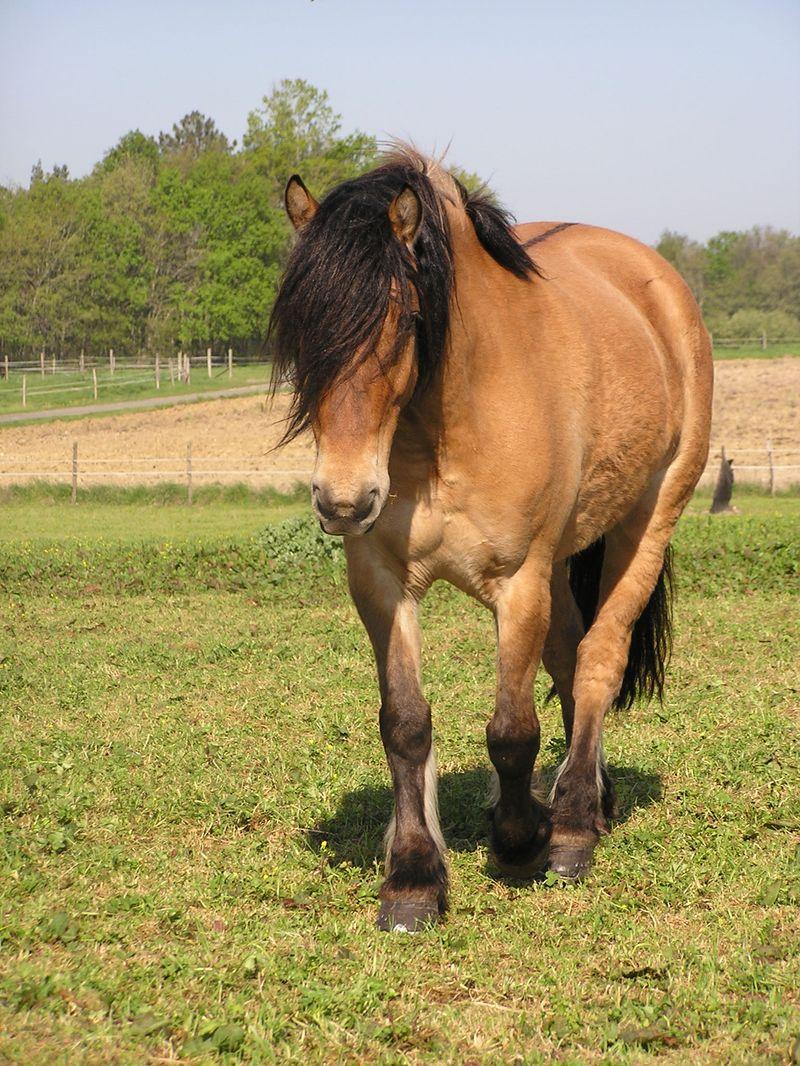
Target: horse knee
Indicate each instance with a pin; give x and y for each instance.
(406, 728)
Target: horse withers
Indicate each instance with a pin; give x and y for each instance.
(523, 412)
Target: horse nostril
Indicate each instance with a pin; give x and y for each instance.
(366, 506)
(354, 511)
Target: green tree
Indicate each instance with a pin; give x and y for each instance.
(297, 131)
(133, 145)
(192, 136)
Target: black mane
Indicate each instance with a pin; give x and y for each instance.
(347, 267)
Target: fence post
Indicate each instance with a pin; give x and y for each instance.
(74, 471)
(771, 463)
(94, 381)
(5, 366)
(171, 372)
(24, 390)
(208, 360)
(82, 362)
(158, 373)
(763, 341)
(41, 362)
(189, 472)
(230, 363)
(111, 360)
(54, 364)
(188, 367)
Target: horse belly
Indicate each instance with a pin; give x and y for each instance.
(630, 454)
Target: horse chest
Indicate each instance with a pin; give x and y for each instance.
(476, 553)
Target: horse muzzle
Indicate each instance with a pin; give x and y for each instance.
(346, 516)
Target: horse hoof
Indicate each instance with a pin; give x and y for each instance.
(406, 916)
(571, 863)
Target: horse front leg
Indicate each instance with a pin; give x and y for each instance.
(520, 826)
(414, 892)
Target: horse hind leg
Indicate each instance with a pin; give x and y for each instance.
(633, 605)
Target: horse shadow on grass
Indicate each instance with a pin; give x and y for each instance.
(354, 834)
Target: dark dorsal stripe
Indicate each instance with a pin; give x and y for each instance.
(547, 233)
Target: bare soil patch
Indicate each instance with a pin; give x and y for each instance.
(755, 401)
(235, 439)
(231, 440)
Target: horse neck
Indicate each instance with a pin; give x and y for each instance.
(474, 351)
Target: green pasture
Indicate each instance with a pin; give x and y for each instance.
(755, 351)
(76, 390)
(193, 794)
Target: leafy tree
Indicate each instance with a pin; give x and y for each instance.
(133, 145)
(297, 131)
(192, 136)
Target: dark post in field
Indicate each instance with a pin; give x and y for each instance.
(721, 503)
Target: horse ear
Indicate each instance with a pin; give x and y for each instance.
(300, 204)
(405, 215)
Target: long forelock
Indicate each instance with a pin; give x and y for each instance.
(348, 268)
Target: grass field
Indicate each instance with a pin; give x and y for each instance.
(193, 794)
(755, 351)
(75, 390)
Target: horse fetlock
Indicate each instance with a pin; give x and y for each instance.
(583, 803)
(519, 840)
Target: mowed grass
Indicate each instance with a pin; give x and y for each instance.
(41, 513)
(193, 794)
(76, 390)
(755, 351)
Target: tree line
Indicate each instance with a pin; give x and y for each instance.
(747, 283)
(178, 241)
(170, 242)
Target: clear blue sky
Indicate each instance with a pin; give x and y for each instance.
(635, 114)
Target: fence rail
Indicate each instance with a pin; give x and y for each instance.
(190, 467)
(762, 340)
(107, 374)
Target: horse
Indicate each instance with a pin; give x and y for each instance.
(523, 412)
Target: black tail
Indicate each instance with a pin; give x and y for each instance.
(651, 640)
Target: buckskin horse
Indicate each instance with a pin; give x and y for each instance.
(523, 412)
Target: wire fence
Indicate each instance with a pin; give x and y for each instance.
(779, 469)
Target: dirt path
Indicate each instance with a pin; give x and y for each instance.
(127, 405)
(234, 439)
